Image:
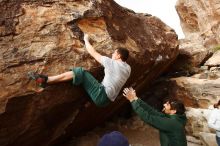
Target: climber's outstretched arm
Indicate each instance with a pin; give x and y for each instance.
(91, 50)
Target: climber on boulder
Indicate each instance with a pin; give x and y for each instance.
(116, 70)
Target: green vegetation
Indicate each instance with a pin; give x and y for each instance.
(216, 48)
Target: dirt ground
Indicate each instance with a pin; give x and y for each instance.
(137, 132)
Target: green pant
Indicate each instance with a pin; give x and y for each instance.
(95, 90)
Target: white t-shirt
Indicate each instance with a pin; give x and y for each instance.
(214, 120)
(116, 75)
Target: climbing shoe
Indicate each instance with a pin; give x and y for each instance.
(40, 79)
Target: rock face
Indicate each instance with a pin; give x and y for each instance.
(214, 60)
(201, 92)
(200, 48)
(200, 20)
(196, 79)
(201, 25)
(46, 36)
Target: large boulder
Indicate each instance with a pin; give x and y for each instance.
(200, 23)
(214, 60)
(200, 20)
(46, 36)
(198, 92)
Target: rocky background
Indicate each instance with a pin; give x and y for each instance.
(46, 36)
(199, 87)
